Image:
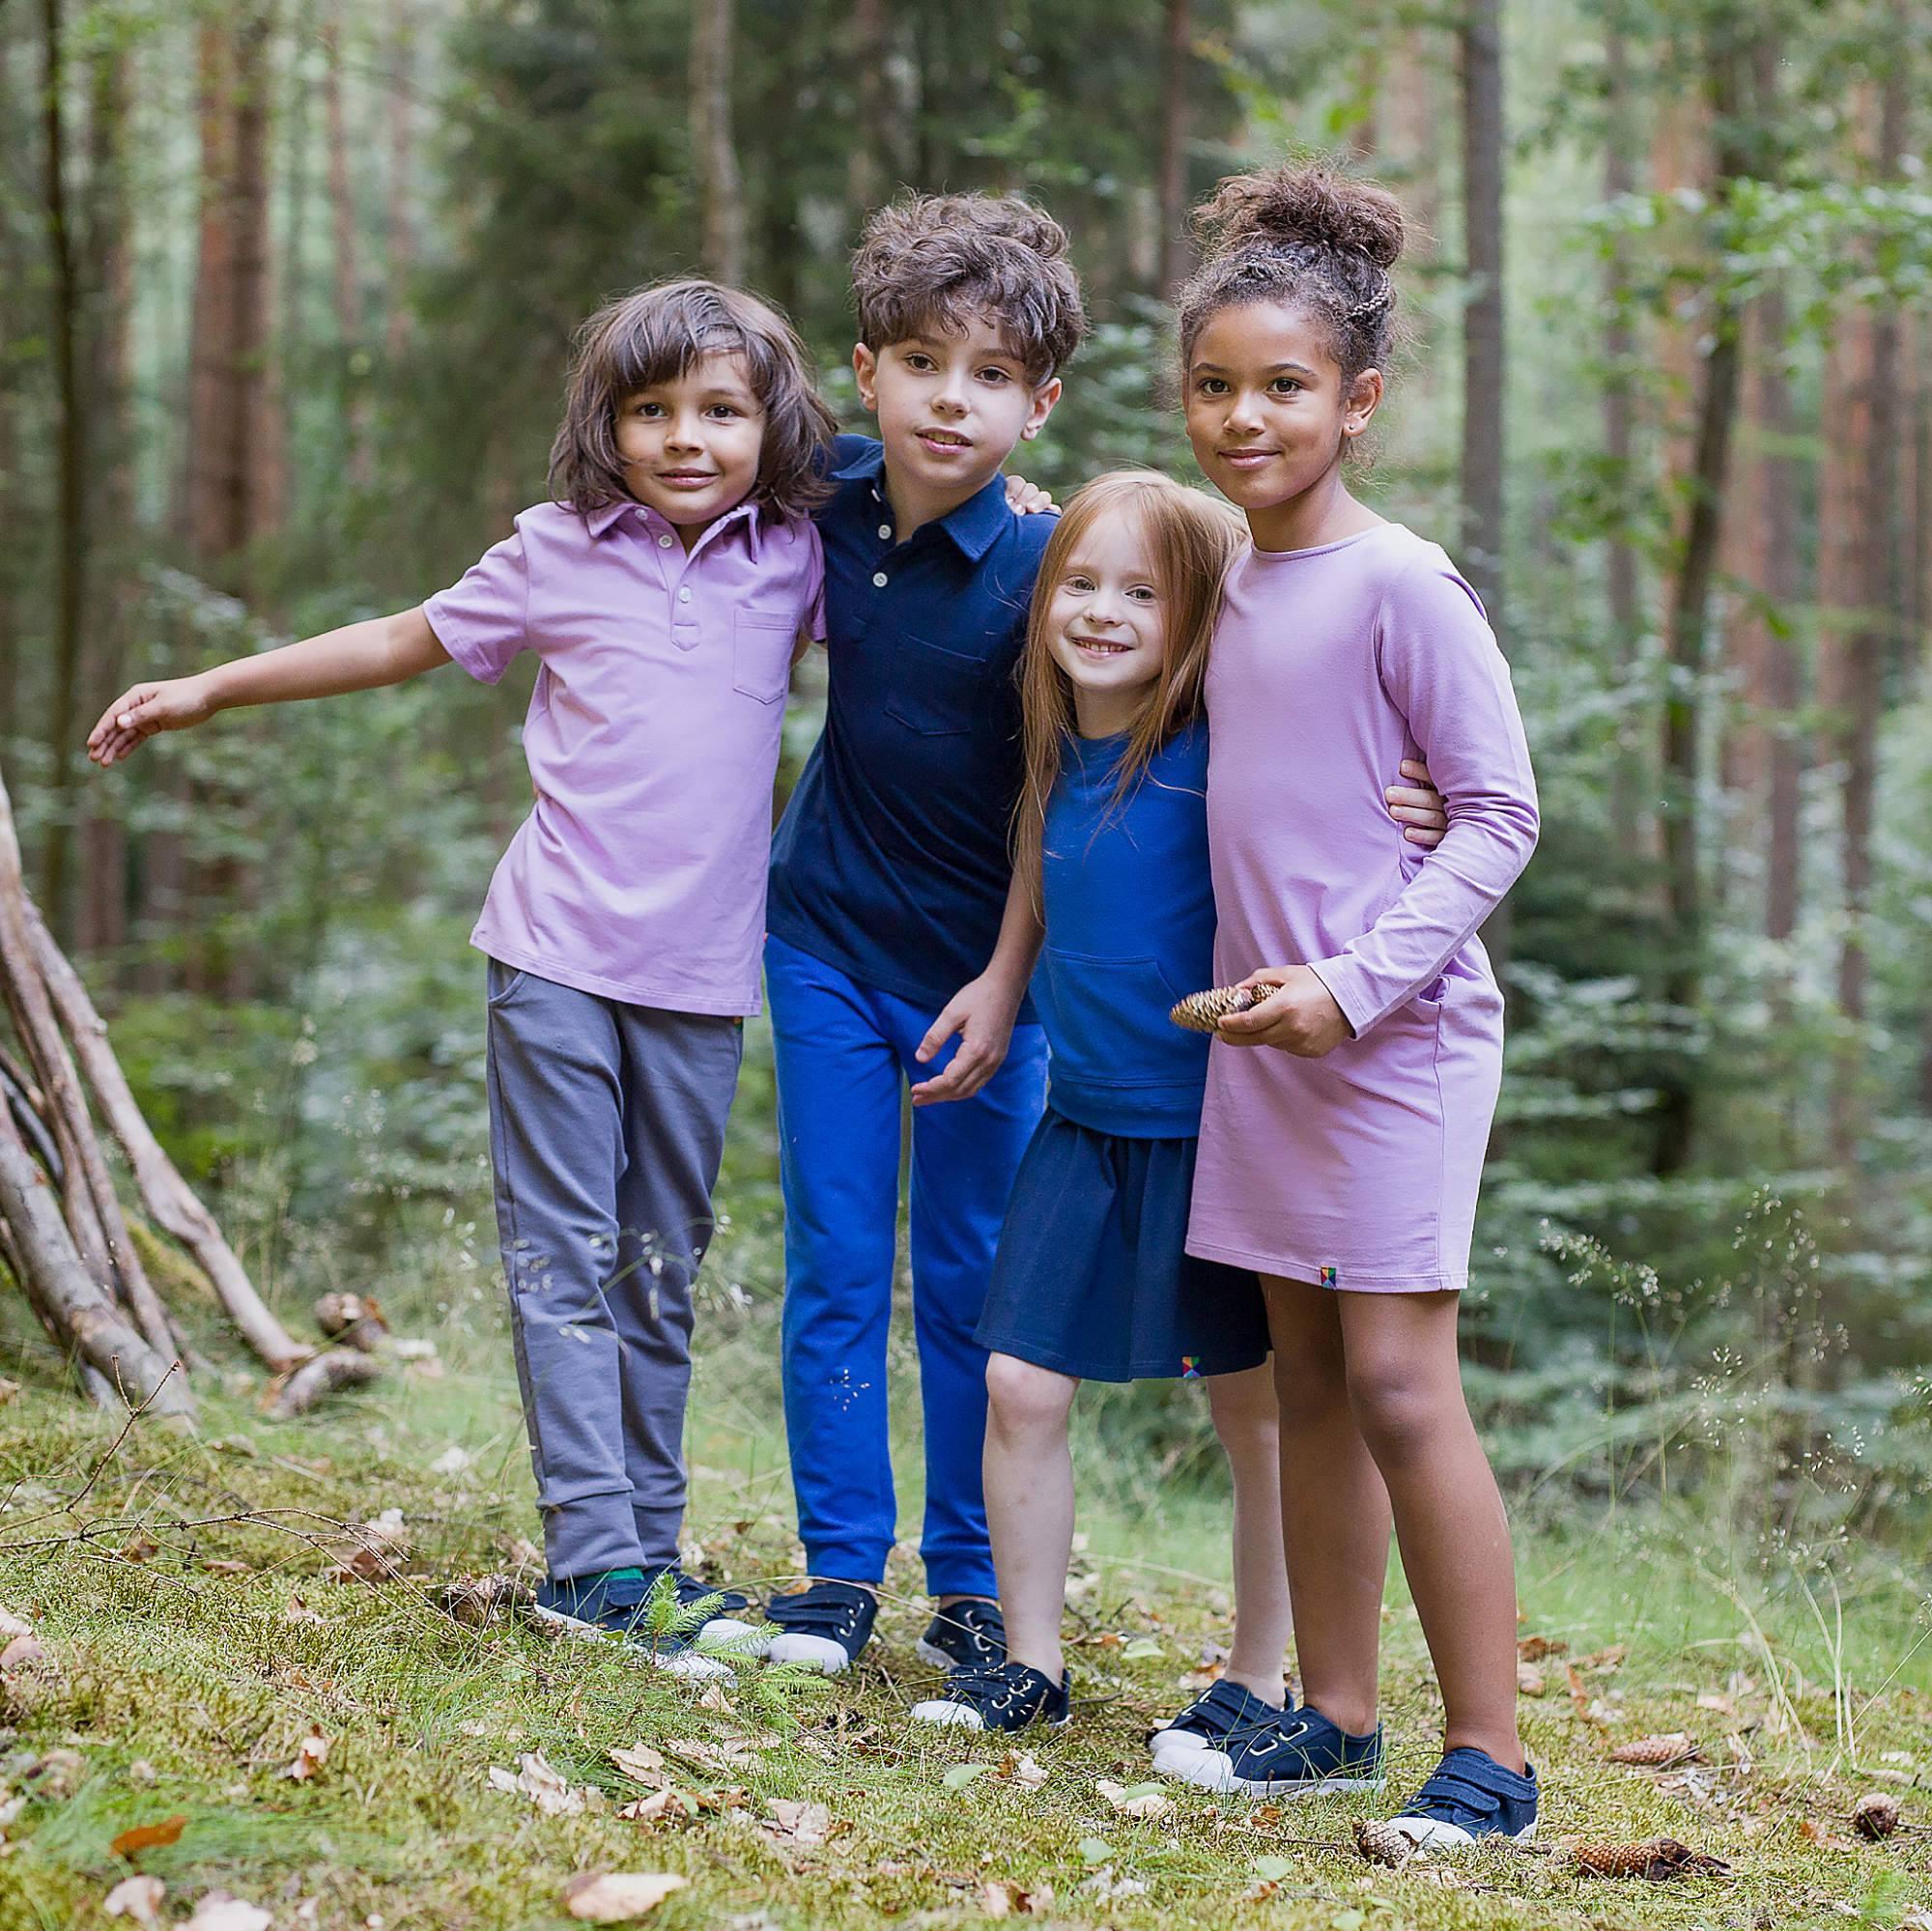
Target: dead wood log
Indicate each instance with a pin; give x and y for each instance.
(321, 1374)
(60, 1284)
(170, 1201)
(93, 1211)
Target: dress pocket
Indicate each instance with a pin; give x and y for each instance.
(933, 691)
(1111, 1017)
(761, 647)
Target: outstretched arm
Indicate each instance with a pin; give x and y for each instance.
(357, 657)
(983, 1010)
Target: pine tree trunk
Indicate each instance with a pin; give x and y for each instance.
(720, 192)
(69, 460)
(402, 174)
(1178, 44)
(1775, 575)
(344, 271)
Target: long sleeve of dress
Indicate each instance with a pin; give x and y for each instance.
(1441, 668)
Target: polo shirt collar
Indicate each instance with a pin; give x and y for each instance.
(606, 516)
(974, 525)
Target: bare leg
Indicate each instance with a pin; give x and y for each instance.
(1334, 1509)
(1247, 1420)
(1406, 1386)
(1030, 1504)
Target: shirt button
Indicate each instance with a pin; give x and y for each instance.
(683, 596)
(664, 543)
(878, 579)
(886, 530)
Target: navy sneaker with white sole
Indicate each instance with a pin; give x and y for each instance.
(620, 1604)
(1009, 1696)
(724, 1626)
(1470, 1796)
(823, 1626)
(1221, 1711)
(967, 1634)
(1298, 1753)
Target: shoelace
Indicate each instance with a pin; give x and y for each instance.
(1452, 1796)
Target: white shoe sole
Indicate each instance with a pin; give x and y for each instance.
(1214, 1769)
(688, 1664)
(1166, 1741)
(1427, 1835)
(819, 1652)
(958, 1716)
(739, 1638)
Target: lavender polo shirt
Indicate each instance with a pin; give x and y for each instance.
(652, 741)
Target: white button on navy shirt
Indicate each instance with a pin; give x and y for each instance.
(879, 579)
(886, 530)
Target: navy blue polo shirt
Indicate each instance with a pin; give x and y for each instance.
(892, 861)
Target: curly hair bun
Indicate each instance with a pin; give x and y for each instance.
(1312, 204)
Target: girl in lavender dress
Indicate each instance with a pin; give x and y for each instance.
(1345, 1117)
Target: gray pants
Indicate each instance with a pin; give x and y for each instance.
(606, 1122)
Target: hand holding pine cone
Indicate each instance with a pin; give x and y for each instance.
(1203, 1012)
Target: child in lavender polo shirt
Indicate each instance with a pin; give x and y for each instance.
(664, 592)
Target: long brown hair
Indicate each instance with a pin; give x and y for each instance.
(1191, 540)
(653, 335)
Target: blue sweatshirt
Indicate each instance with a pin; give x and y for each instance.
(1129, 930)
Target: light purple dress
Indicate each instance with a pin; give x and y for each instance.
(1358, 1170)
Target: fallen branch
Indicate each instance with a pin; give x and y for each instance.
(295, 1393)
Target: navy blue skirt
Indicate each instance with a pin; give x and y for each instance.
(1093, 1277)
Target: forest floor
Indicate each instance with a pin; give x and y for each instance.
(311, 1732)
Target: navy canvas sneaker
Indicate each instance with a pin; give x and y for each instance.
(618, 1603)
(1221, 1711)
(1470, 1796)
(970, 1635)
(1298, 1753)
(824, 1626)
(723, 1624)
(1009, 1696)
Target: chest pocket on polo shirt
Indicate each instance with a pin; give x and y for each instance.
(761, 642)
(935, 691)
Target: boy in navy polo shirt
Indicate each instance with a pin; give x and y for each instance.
(892, 960)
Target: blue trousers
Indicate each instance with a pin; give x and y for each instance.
(844, 1057)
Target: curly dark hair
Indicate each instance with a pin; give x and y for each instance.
(1309, 235)
(653, 335)
(934, 262)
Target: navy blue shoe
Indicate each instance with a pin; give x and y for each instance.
(1009, 1696)
(1470, 1796)
(1297, 1753)
(1221, 1711)
(824, 1626)
(970, 1635)
(722, 1623)
(618, 1602)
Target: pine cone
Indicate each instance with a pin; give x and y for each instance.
(1673, 1746)
(1203, 1012)
(1657, 1858)
(1875, 1815)
(478, 1599)
(1381, 1843)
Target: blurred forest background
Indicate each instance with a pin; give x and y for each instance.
(287, 289)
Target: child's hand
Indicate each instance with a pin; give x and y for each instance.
(982, 1012)
(1418, 805)
(1300, 1019)
(1029, 498)
(171, 705)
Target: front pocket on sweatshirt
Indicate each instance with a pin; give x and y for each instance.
(1110, 1016)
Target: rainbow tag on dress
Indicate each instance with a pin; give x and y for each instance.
(1331, 1277)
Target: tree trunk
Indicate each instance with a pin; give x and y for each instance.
(70, 460)
(719, 191)
(1629, 767)
(345, 273)
(402, 173)
(1177, 43)
(1687, 629)
(101, 922)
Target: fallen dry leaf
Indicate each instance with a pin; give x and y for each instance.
(713, 1697)
(135, 1898)
(1725, 1706)
(799, 1822)
(219, 1912)
(300, 1611)
(1534, 1649)
(141, 1837)
(655, 1805)
(141, 1548)
(1109, 1889)
(1139, 1801)
(545, 1785)
(8, 1390)
(614, 1897)
(1604, 1660)
(311, 1753)
(229, 1566)
(1022, 1768)
(638, 1761)
(1530, 1680)
(56, 1774)
(12, 1626)
(1002, 1897)
(23, 1649)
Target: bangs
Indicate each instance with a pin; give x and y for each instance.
(658, 342)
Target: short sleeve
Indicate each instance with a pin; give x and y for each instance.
(483, 621)
(814, 586)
